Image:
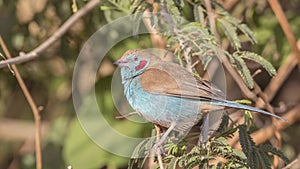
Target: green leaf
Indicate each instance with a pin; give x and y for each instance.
(237, 23)
(259, 59)
(173, 163)
(179, 4)
(246, 30)
(173, 9)
(230, 32)
(264, 160)
(105, 8)
(199, 14)
(244, 101)
(243, 70)
(74, 6)
(275, 151)
(248, 146)
(224, 124)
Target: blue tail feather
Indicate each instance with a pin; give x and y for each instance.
(227, 103)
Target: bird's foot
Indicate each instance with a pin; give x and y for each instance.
(158, 149)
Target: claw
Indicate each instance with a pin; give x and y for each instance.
(158, 149)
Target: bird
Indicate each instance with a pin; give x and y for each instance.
(167, 94)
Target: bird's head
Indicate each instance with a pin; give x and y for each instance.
(133, 63)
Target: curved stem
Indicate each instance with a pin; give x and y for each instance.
(57, 35)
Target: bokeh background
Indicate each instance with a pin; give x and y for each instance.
(24, 24)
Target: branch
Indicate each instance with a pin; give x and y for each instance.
(267, 132)
(57, 35)
(186, 49)
(156, 39)
(237, 78)
(32, 105)
(286, 27)
(285, 70)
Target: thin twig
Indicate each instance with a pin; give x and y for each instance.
(285, 70)
(286, 28)
(186, 49)
(211, 19)
(282, 74)
(292, 164)
(271, 110)
(32, 105)
(57, 35)
(228, 5)
(237, 78)
(245, 90)
(158, 152)
(156, 39)
(233, 72)
(166, 15)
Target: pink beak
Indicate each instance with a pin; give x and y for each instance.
(120, 62)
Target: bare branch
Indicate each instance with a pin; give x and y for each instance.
(286, 27)
(57, 35)
(32, 105)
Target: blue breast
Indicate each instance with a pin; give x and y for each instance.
(162, 109)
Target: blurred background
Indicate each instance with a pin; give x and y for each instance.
(24, 24)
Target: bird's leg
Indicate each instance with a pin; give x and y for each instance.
(163, 138)
(204, 131)
(159, 158)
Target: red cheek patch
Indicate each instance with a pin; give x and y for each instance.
(141, 65)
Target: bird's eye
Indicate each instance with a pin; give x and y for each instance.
(135, 59)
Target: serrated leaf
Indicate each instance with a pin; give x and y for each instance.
(199, 14)
(248, 146)
(193, 161)
(203, 163)
(243, 70)
(259, 59)
(179, 4)
(136, 4)
(230, 32)
(275, 151)
(224, 124)
(174, 11)
(173, 163)
(239, 153)
(235, 22)
(247, 31)
(264, 160)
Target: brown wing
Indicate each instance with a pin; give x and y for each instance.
(171, 79)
